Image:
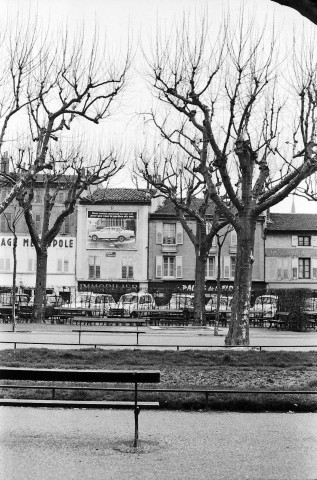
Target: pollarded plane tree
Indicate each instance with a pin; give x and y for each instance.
(72, 175)
(175, 178)
(230, 94)
(48, 88)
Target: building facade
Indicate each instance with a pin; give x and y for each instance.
(291, 251)
(172, 256)
(112, 241)
(61, 253)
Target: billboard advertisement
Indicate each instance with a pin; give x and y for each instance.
(111, 230)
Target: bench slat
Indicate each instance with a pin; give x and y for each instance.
(21, 402)
(60, 375)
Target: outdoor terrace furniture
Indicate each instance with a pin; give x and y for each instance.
(163, 317)
(281, 321)
(310, 318)
(115, 312)
(82, 376)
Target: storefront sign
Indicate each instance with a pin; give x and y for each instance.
(107, 287)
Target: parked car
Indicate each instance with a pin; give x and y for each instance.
(21, 299)
(52, 300)
(265, 305)
(99, 304)
(179, 301)
(111, 233)
(311, 304)
(131, 302)
(225, 303)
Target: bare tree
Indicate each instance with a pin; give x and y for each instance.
(178, 182)
(224, 98)
(71, 176)
(49, 88)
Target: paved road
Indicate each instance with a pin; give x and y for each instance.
(153, 336)
(37, 444)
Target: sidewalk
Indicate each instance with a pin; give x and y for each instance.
(37, 444)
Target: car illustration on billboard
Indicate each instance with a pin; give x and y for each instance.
(111, 233)
(111, 230)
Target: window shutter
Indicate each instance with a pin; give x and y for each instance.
(124, 271)
(233, 238)
(159, 233)
(130, 271)
(66, 226)
(226, 267)
(159, 264)
(1, 263)
(294, 241)
(314, 267)
(97, 263)
(314, 241)
(179, 234)
(179, 267)
(59, 265)
(294, 267)
(66, 264)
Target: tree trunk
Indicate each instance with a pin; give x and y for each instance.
(15, 241)
(216, 327)
(40, 287)
(199, 297)
(238, 333)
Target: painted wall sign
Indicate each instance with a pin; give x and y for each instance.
(58, 242)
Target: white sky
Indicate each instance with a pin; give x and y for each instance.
(139, 19)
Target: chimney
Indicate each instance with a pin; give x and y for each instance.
(293, 205)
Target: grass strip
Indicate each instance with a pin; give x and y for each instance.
(189, 369)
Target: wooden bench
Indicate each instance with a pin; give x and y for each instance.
(108, 321)
(122, 332)
(88, 376)
(163, 317)
(115, 312)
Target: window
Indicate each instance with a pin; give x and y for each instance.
(6, 222)
(304, 268)
(211, 267)
(304, 241)
(31, 264)
(60, 197)
(66, 265)
(127, 271)
(94, 267)
(169, 233)
(232, 266)
(38, 222)
(169, 267)
(5, 264)
(37, 196)
(65, 229)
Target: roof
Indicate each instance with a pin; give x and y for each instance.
(167, 208)
(118, 195)
(292, 222)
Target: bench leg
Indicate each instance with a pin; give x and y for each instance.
(136, 426)
(136, 415)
